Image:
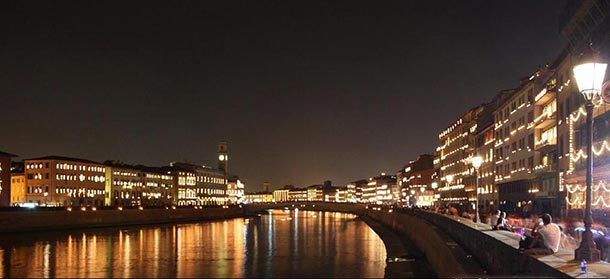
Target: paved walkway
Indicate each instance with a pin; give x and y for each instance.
(563, 260)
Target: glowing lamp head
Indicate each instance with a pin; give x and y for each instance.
(434, 185)
(589, 75)
(477, 161)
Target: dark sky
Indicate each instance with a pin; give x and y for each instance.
(303, 91)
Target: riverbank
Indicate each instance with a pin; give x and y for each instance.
(44, 220)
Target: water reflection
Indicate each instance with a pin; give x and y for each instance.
(282, 244)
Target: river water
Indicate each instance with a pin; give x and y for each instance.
(281, 244)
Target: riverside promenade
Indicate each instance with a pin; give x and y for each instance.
(505, 250)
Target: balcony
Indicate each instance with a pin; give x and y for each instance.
(546, 146)
(545, 120)
(542, 169)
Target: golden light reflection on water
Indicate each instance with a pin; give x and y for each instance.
(282, 244)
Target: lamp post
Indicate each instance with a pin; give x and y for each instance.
(589, 76)
(476, 163)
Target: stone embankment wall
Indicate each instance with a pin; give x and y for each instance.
(40, 220)
(495, 256)
(438, 254)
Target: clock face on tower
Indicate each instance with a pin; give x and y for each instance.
(221, 157)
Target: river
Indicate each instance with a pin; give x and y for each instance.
(281, 244)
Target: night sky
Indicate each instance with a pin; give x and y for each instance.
(303, 91)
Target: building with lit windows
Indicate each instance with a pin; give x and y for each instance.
(63, 181)
(128, 185)
(484, 147)
(258, 197)
(341, 194)
(545, 194)
(198, 185)
(297, 194)
(315, 193)
(516, 149)
(415, 180)
(354, 191)
(581, 23)
(280, 195)
(235, 190)
(5, 178)
(17, 184)
(456, 147)
(381, 189)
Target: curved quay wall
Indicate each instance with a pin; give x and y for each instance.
(426, 239)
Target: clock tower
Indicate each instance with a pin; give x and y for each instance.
(223, 157)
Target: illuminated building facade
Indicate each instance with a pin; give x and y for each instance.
(297, 194)
(381, 189)
(17, 184)
(484, 147)
(583, 22)
(235, 190)
(514, 147)
(545, 192)
(198, 185)
(415, 180)
(63, 181)
(280, 195)
(341, 195)
(354, 191)
(315, 193)
(137, 185)
(258, 197)
(456, 147)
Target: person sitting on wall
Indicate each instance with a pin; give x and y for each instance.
(502, 223)
(549, 235)
(546, 242)
(531, 233)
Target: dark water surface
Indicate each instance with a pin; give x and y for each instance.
(282, 244)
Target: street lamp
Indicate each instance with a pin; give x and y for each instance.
(589, 76)
(476, 163)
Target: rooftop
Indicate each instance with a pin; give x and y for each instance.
(62, 158)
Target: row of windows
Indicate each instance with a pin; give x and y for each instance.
(517, 102)
(17, 180)
(192, 180)
(515, 146)
(66, 166)
(509, 168)
(36, 165)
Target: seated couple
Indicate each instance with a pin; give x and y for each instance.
(499, 221)
(544, 238)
